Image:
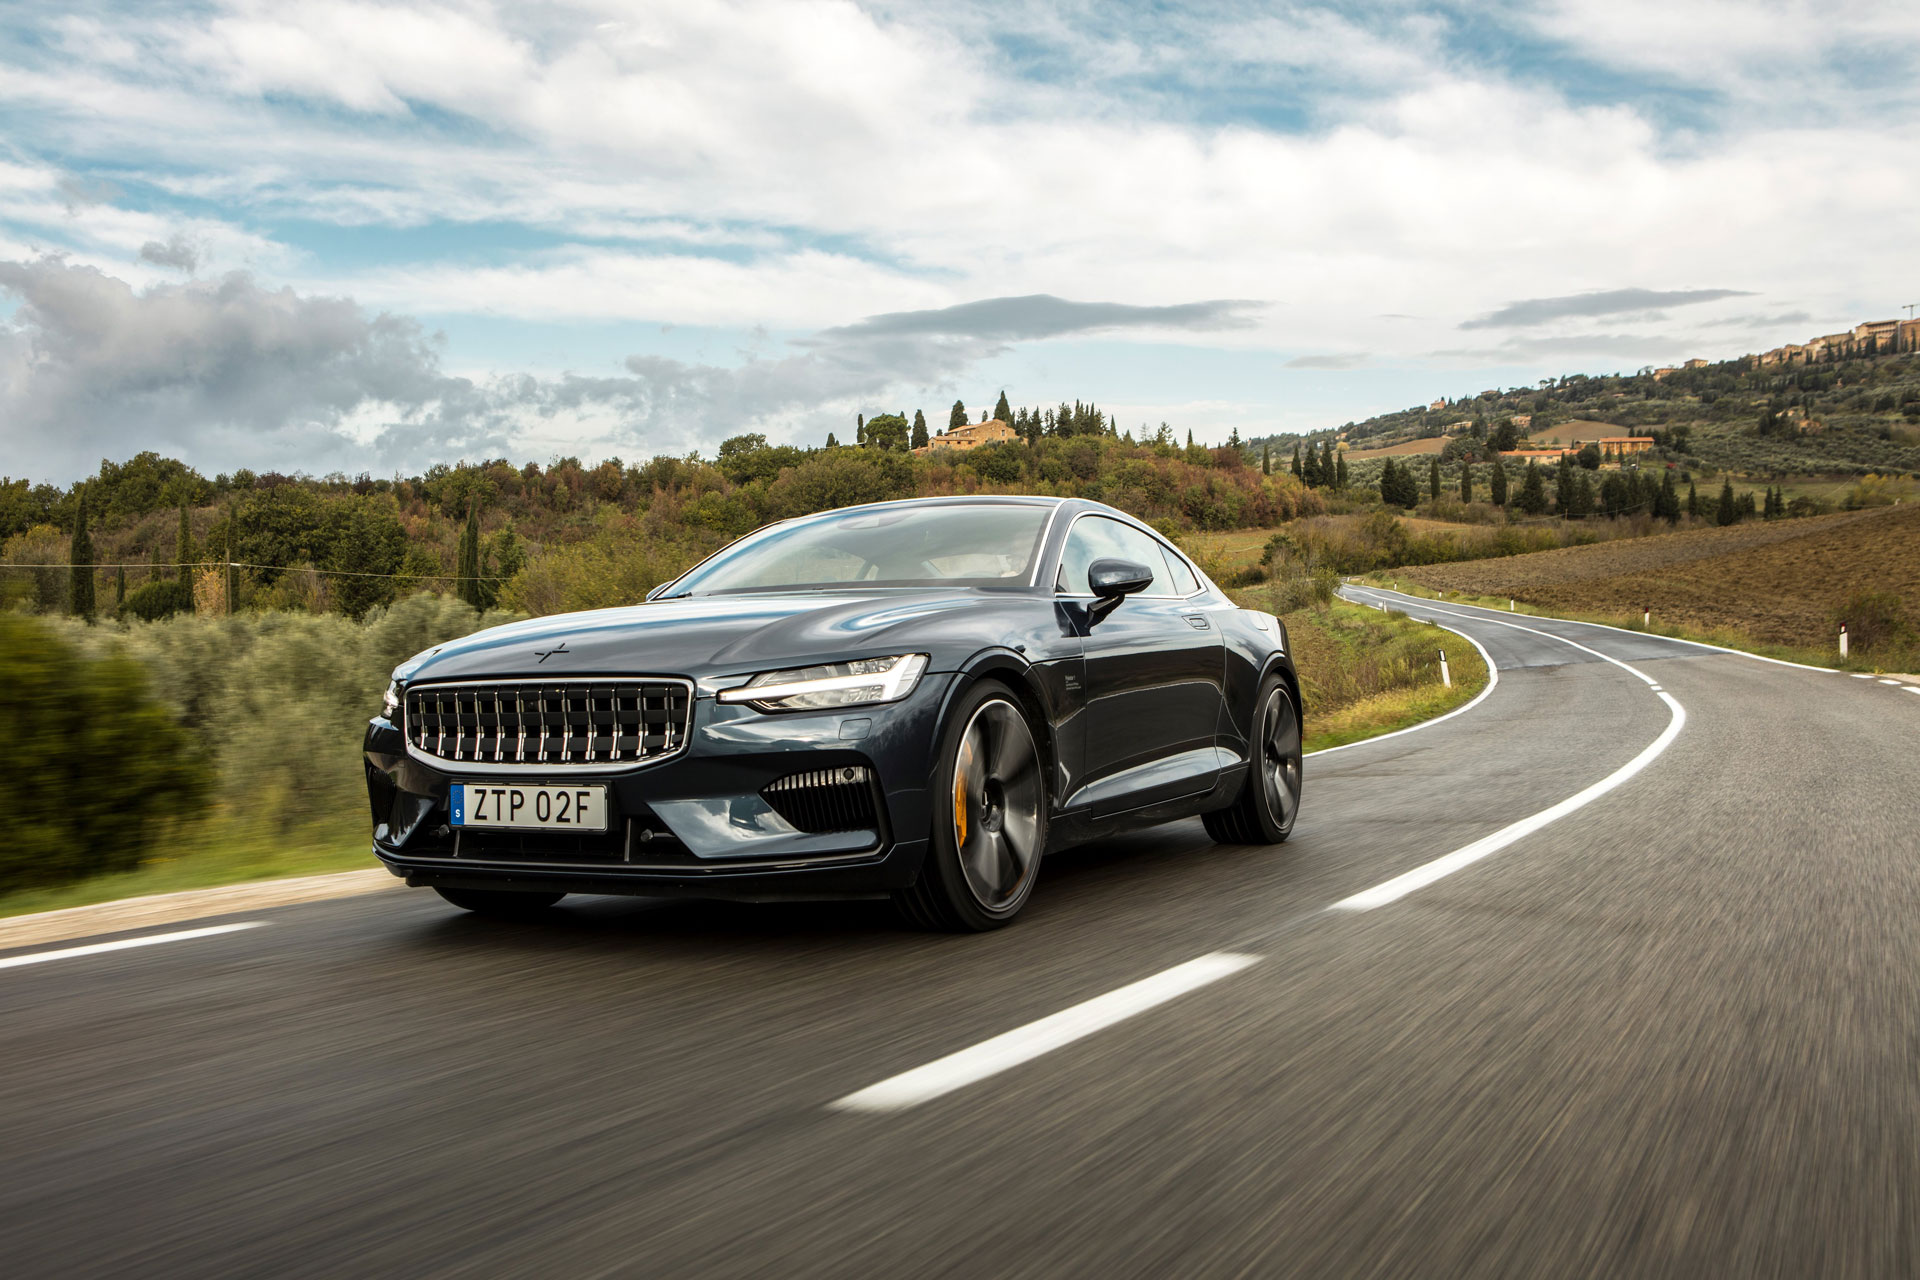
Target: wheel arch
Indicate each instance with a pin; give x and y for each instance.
(1019, 675)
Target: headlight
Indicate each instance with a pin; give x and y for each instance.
(390, 705)
(832, 684)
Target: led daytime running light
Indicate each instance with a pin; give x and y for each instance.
(881, 683)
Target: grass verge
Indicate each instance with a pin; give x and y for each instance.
(1364, 672)
(1897, 660)
(204, 858)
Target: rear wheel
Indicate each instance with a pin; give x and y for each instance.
(1270, 800)
(500, 904)
(989, 818)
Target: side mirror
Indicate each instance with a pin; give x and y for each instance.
(1112, 581)
(658, 588)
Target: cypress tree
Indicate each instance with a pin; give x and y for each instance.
(1298, 474)
(1310, 468)
(1339, 470)
(1266, 459)
(1563, 486)
(467, 559)
(119, 589)
(1669, 499)
(1002, 410)
(1533, 491)
(1466, 481)
(957, 417)
(1693, 500)
(1433, 479)
(919, 440)
(1728, 511)
(183, 547)
(80, 564)
(831, 442)
(1389, 490)
(1326, 461)
(1497, 484)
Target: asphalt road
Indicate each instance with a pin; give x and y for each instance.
(1675, 1031)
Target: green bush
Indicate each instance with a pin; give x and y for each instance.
(1874, 620)
(153, 601)
(100, 770)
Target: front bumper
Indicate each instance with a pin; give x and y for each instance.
(694, 823)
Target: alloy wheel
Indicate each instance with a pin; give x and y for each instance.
(997, 795)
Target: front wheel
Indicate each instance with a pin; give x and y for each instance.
(501, 904)
(1270, 800)
(989, 818)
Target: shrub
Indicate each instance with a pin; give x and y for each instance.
(153, 601)
(1874, 620)
(101, 770)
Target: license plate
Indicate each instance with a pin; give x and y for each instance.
(530, 808)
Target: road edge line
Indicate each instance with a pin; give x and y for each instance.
(1493, 679)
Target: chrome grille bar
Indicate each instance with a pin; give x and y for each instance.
(577, 724)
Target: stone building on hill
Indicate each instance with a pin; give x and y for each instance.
(971, 436)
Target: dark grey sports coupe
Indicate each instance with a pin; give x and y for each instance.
(912, 699)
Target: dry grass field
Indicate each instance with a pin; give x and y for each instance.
(1432, 444)
(1577, 431)
(1777, 582)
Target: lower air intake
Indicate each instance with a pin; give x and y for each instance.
(823, 800)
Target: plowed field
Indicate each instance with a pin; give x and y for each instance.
(1778, 582)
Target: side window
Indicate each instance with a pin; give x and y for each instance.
(1098, 538)
(1184, 583)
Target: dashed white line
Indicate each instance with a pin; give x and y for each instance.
(124, 944)
(1894, 683)
(990, 1057)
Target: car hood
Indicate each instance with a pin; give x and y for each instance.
(725, 635)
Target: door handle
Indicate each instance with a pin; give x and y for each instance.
(1198, 623)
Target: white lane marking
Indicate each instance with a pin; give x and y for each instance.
(1894, 683)
(1913, 688)
(1645, 635)
(990, 1057)
(1861, 675)
(1420, 877)
(1493, 678)
(123, 944)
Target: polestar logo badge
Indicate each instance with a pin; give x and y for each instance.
(543, 655)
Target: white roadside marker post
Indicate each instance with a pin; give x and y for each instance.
(1646, 617)
(1509, 604)
(1445, 678)
(1843, 639)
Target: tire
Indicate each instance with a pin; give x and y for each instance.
(1265, 810)
(500, 904)
(989, 818)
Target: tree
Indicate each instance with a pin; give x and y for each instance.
(1326, 461)
(1310, 468)
(860, 429)
(1466, 482)
(1389, 489)
(1728, 511)
(1433, 479)
(119, 589)
(919, 440)
(1563, 486)
(80, 563)
(1266, 459)
(183, 547)
(831, 442)
(466, 583)
(1589, 457)
(957, 417)
(1505, 436)
(1582, 495)
(1497, 484)
(1668, 506)
(1693, 500)
(1298, 474)
(1339, 470)
(889, 431)
(1001, 409)
(1533, 491)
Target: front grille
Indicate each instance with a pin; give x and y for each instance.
(583, 722)
(823, 800)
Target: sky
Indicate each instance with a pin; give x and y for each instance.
(368, 238)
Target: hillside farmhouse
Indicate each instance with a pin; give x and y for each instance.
(971, 436)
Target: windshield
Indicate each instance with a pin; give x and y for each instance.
(958, 545)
